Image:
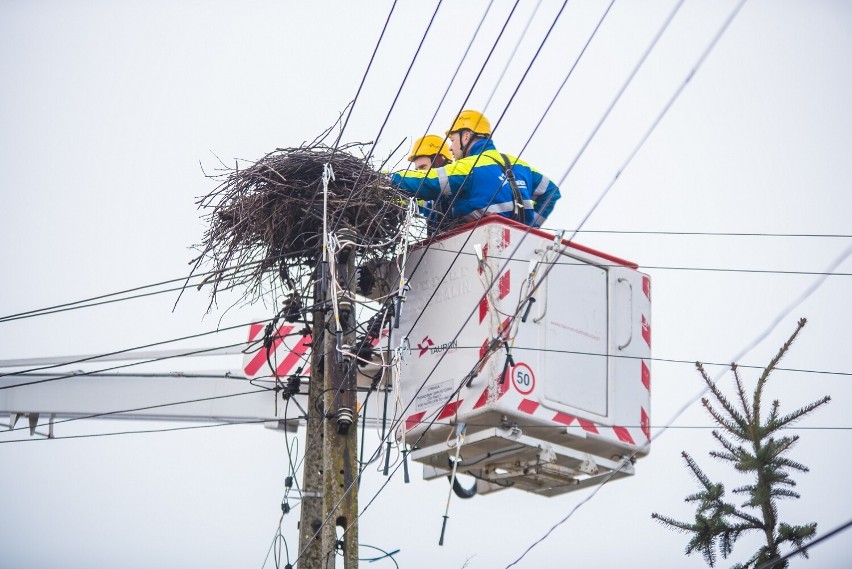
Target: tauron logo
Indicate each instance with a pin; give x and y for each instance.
(424, 345)
(428, 346)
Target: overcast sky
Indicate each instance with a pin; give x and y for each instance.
(109, 111)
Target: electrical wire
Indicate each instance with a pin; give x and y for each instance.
(497, 124)
(139, 432)
(666, 360)
(123, 366)
(621, 91)
(628, 161)
(478, 221)
(366, 160)
(704, 233)
(511, 56)
(89, 302)
(805, 547)
(364, 77)
(388, 116)
(567, 76)
(137, 348)
(146, 408)
(387, 555)
(390, 110)
(462, 252)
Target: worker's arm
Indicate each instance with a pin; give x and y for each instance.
(444, 182)
(418, 183)
(545, 194)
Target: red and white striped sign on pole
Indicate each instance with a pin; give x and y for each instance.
(288, 351)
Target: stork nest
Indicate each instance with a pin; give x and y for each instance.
(267, 219)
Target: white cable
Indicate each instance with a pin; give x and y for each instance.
(327, 176)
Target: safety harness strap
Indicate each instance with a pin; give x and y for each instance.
(517, 197)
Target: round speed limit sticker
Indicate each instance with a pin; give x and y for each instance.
(523, 378)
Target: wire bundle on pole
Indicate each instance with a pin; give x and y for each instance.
(268, 217)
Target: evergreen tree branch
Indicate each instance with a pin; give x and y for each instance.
(737, 451)
(790, 418)
(723, 401)
(764, 377)
(737, 427)
(741, 392)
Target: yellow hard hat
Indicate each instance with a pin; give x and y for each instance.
(429, 145)
(471, 120)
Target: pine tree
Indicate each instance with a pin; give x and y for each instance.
(755, 447)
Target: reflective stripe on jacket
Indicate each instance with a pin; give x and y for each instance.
(479, 186)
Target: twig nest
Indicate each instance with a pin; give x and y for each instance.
(267, 219)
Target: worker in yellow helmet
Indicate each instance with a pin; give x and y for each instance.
(429, 152)
(483, 181)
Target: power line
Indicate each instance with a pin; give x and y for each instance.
(364, 77)
(149, 407)
(567, 76)
(486, 292)
(708, 233)
(612, 104)
(80, 374)
(462, 252)
(347, 490)
(91, 301)
(390, 110)
(783, 314)
(74, 304)
(140, 432)
(671, 101)
(746, 271)
(500, 35)
(803, 548)
(430, 242)
(497, 124)
(661, 360)
(142, 347)
(511, 56)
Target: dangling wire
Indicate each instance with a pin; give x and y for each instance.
(459, 442)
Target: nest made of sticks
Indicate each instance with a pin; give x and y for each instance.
(267, 219)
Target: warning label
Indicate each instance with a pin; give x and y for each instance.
(435, 394)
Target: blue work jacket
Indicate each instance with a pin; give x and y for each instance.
(477, 185)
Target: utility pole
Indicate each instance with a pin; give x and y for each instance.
(311, 515)
(331, 459)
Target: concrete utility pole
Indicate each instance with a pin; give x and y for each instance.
(311, 516)
(331, 461)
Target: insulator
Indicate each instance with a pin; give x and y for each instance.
(345, 308)
(345, 418)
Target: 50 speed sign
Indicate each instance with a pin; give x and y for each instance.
(523, 378)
